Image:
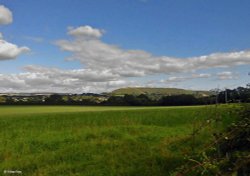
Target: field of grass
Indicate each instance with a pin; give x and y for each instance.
(98, 141)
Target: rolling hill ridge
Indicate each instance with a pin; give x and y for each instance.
(158, 91)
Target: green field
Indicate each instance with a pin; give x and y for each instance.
(98, 141)
(157, 91)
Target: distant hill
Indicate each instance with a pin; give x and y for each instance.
(157, 91)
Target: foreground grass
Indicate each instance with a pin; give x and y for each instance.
(92, 141)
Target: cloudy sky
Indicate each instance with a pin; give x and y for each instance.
(80, 46)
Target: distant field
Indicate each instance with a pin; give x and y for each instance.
(157, 91)
(22, 110)
(95, 141)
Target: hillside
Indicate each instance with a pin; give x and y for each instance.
(157, 91)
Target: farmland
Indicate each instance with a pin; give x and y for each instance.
(92, 141)
(158, 91)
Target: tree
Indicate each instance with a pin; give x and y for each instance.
(54, 99)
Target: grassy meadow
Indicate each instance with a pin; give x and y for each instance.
(100, 141)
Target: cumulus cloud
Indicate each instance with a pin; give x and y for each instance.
(9, 50)
(185, 78)
(5, 15)
(88, 48)
(41, 79)
(86, 32)
(227, 75)
(106, 66)
(81, 74)
(201, 75)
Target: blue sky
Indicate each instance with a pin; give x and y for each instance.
(179, 30)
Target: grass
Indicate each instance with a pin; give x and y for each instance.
(98, 141)
(157, 91)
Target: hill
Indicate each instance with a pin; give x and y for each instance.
(157, 91)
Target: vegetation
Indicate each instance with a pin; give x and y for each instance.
(240, 94)
(125, 134)
(156, 93)
(54, 140)
(134, 97)
(227, 154)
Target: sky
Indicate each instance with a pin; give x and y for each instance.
(77, 46)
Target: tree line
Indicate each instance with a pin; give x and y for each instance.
(239, 94)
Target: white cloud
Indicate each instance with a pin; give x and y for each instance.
(106, 66)
(185, 78)
(80, 74)
(95, 54)
(5, 15)
(34, 39)
(9, 50)
(176, 79)
(86, 32)
(201, 75)
(227, 75)
(40, 79)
